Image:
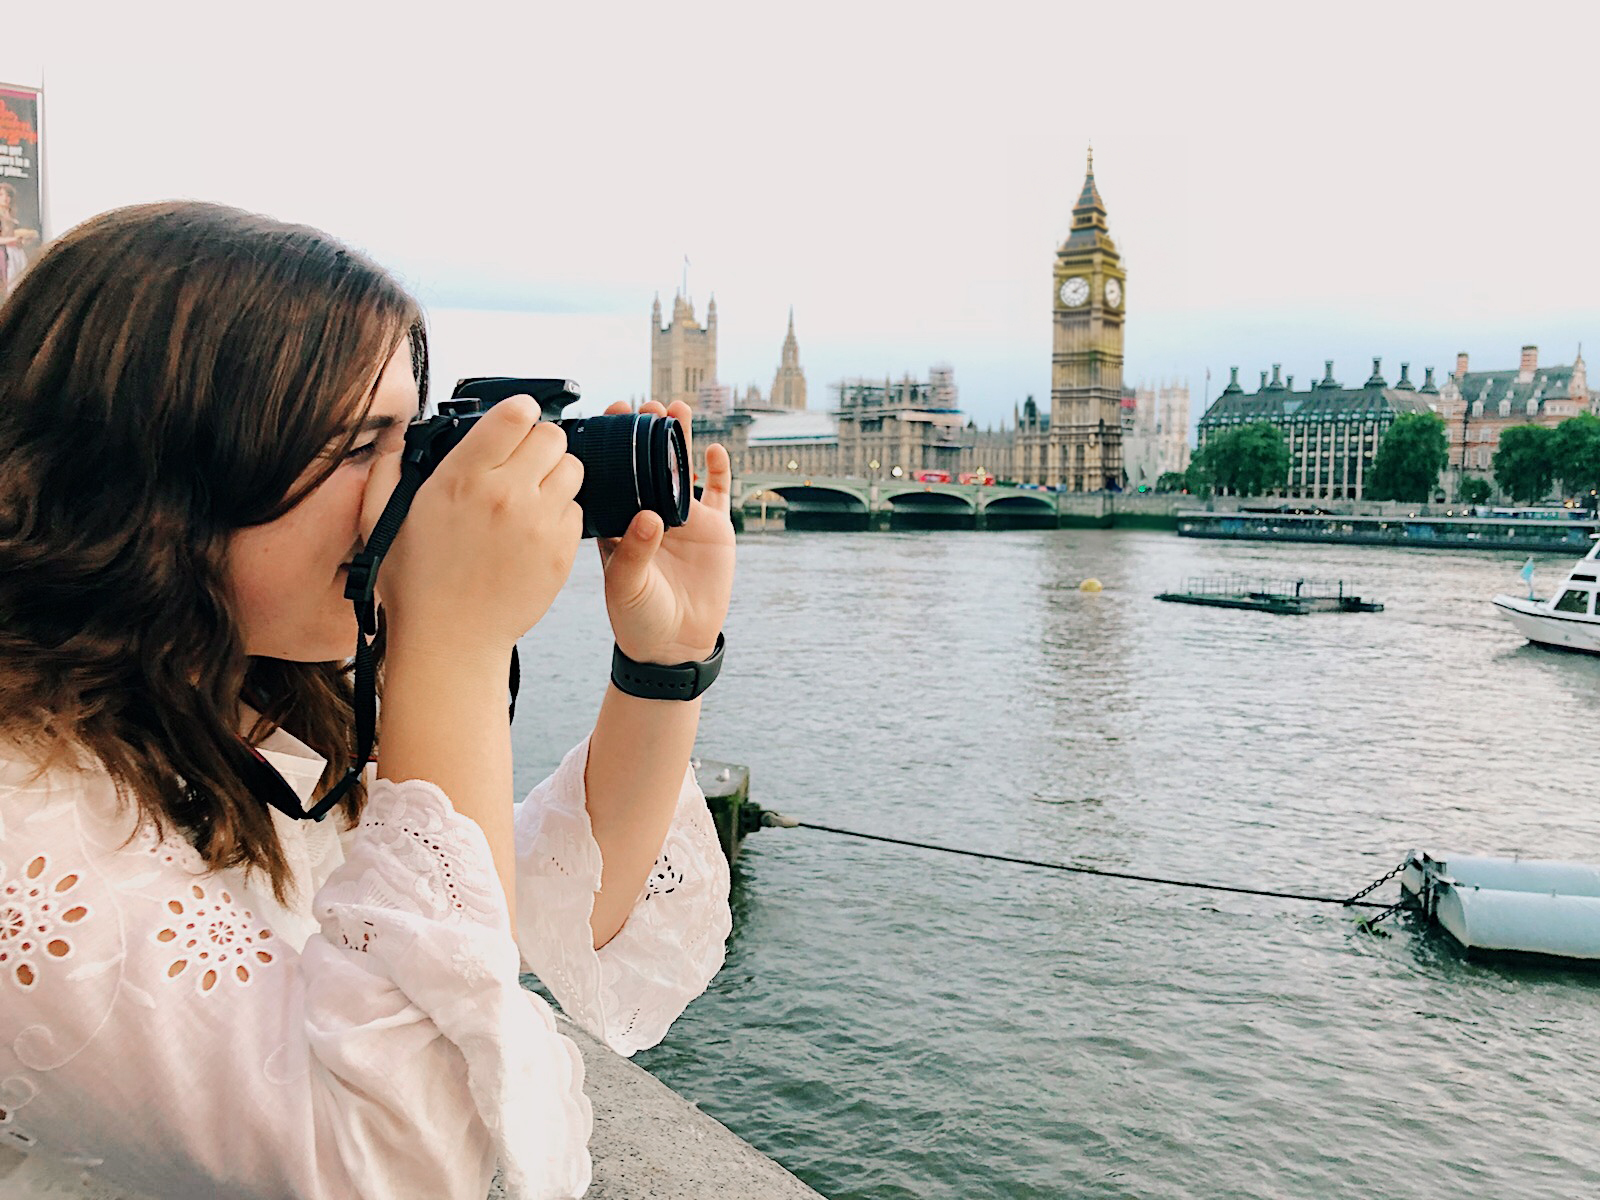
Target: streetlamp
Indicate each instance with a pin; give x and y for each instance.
(872, 489)
(896, 471)
(793, 466)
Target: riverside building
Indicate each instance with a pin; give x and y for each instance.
(1333, 432)
(1477, 406)
(1155, 433)
(1077, 444)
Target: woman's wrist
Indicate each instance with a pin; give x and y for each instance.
(444, 646)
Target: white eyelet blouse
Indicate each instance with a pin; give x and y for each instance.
(167, 1032)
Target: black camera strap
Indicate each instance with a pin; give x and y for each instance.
(360, 588)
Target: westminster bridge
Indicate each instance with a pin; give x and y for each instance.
(816, 502)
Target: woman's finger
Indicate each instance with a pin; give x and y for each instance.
(617, 406)
(718, 494)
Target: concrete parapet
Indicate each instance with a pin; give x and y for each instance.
(649, 1143)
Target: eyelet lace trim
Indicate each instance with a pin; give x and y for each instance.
(664, 877)
(628, 992)
(216, 937)
(422, 845)
(37, 914)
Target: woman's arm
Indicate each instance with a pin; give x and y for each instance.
(637, 757)
(444, 721)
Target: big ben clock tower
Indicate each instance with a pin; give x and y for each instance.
(1085, 450)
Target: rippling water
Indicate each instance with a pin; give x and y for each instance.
(899, 1023)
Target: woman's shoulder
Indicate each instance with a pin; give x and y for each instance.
(72, 801)
(30, 775)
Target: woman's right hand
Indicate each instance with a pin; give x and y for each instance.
(490, 537)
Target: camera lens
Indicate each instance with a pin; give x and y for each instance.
(631, 462)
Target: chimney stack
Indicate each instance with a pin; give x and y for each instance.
(1530, 364)
(1263, 386)
(1277, 379)
(1461, 365)
(1405, 384)
(1289, 383)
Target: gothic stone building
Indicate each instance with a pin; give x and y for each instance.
(1078, 443)
(1333, 432)
(683, 356)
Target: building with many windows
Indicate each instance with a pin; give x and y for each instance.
(1333, 432)
(1477, 406)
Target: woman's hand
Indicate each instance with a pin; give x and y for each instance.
(667, 590)
(490, 537)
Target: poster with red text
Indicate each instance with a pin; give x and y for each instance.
(21, 192)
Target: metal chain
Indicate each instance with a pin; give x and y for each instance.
(1374, 886)
(1368, 924)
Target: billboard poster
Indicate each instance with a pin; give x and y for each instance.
(21, 192)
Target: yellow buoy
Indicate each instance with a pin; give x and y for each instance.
(1090, 585)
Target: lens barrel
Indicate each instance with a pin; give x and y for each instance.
(631, 461)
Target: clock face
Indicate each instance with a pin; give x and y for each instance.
(1075, 291)
(1113, 293)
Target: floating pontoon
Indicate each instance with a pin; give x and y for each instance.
(1518, 905)
(1289, 597)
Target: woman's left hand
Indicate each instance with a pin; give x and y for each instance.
(667, 590)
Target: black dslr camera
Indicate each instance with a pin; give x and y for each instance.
(631, 461)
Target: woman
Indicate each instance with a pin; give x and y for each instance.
(201, 413)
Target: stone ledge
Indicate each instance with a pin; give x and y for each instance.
(649, 1143)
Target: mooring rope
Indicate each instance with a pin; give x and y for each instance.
(1354, 901)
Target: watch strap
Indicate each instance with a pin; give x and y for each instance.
(652, 681)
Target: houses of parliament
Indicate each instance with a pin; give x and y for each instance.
(1095, 436)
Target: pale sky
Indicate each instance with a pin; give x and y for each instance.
(1286, 184)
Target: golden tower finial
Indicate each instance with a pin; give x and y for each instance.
(1091, 158)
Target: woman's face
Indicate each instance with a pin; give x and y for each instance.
(287, 577)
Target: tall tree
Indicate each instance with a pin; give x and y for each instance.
(1249, 460)
(1474, 490)
(1408, 463)
(1197, 476)
(1170, 481)
(1524, 464)
(1577, 454)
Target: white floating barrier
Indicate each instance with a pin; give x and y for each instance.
(1531, 906)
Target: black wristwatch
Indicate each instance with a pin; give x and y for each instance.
(651, 681)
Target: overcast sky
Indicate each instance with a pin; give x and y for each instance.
(1397, 179)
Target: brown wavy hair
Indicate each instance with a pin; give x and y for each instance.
(167, 374)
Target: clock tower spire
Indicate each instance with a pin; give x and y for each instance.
(1085, 450)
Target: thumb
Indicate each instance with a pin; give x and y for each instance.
(634, 549)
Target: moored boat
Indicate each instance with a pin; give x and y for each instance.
(1510, 905)
(1567, 619)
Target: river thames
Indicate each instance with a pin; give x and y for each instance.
(895, 1023)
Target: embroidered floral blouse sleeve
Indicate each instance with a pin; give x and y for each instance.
(157, 1030)
(631, 990)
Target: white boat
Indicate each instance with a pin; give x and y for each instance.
(1567, 619)
(1520, 905)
